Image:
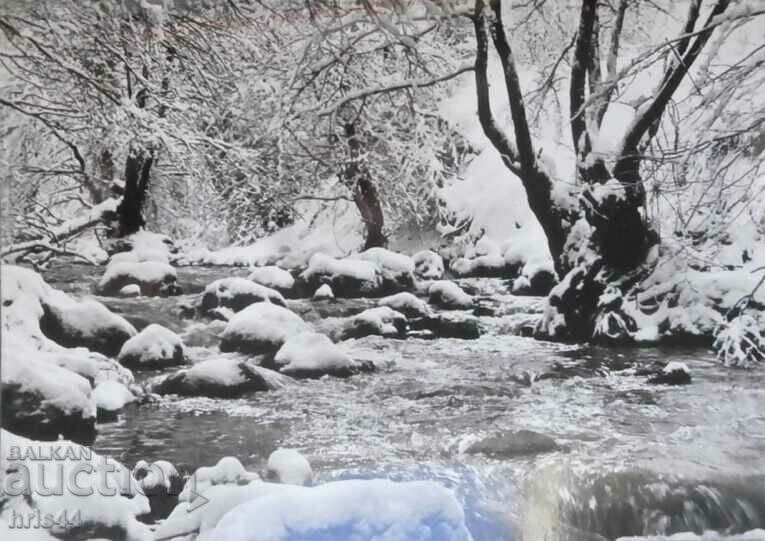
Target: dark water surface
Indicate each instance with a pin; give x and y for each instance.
(631, 458)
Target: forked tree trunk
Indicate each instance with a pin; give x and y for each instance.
(619, 237)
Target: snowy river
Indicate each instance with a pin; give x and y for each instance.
(628, 458)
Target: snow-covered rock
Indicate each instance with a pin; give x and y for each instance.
(224, 377)
(153, 277)
(428, 265)
(103, 502)
(397, 269)
(228, 471)
(312, 355)
(129, 291)
(140, 256)
(273, 277)
(261, 328)
(381, 321)
(288, 466)
(236, 294)
(674, 373)
(87, 324)
(448, 295)
(355, 509)
(42, 400)
(536, 279)
(489, 265)
(161, 483)
(111, 397)
(323, 293)
(154, 347)
(407, 304)
(446, 325)
(346, 277)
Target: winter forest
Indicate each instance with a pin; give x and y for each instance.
(401, 270)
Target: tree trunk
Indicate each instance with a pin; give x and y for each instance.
(365, 193)
(130, 210)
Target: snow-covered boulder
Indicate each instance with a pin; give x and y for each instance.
(154, 347)
(236, 294)
(380, 321)
(224, 377)
(130, 291)
(674, 373)
(228, 471)
(397, 269)
(111, 397)
(261, 328)
(274, 277)
(97, 499)
(312, 355)
(41, 400)
(452, 325)
(153, 277)
(354, 509)
(140, 256)
(87, 324)
(407, 304)
(536, 279)
(323, 293)
(448, 295)
(487, 266)
(288, 466)
(346, 277)
(161, 483)
(428, 265)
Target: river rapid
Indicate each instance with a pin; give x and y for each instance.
(630, 458)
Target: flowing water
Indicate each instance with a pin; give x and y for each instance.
(631, 458)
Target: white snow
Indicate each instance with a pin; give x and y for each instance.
(153, 345)
(272, 276)
(356, 509)
(112, 395)
(288, 466)
(310, 352)
(323, 292)
(676, 366)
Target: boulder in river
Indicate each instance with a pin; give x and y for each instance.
(261, 328)
(273, 277)
(447, 326)
(346, 277)
(289, 467)
(397, 269)
(88, 324)
(448, 295)
(407, 304)
(154, 347)
(236, 294)
(313, 355)
(220, 377)
(674, 373)
(514, 444)
(428, 265)
(161, 483)
(380, 321)
(156, 279)
(228, 471)
(41, 400)
(323, 293)
(111, 397)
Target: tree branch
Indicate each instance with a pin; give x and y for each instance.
(577, 90)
